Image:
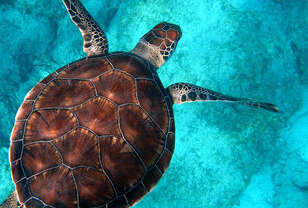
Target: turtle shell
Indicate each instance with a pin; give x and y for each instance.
(96, 133)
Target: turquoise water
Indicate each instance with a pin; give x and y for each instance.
(226, 155)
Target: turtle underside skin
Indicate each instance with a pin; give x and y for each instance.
(96, 133)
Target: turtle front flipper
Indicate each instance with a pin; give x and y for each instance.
(184, 92)
(94, 39)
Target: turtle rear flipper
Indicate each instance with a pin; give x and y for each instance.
(11, 201)
(184, 92)
(94, 39)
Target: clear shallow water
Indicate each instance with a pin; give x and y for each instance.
(225, 155)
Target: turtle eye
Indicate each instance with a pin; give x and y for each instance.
(159, 33)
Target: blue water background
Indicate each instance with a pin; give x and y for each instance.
(226, 155)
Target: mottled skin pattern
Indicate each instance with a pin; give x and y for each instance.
(185, 92)
(97, 132)
(165, 36)
(94, 39)
(158, 44)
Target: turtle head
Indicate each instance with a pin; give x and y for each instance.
(158, 44)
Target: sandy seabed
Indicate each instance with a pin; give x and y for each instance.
(226, 156)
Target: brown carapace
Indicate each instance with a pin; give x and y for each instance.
(96, 133)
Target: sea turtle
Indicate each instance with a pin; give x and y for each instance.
(99, 132)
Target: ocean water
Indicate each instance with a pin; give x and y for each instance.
(226, 156)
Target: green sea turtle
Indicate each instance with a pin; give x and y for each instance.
(99, 132)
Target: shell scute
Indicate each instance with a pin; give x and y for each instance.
(22, 188)
(34, 92)
(93, 187)
(16, 150)
(38, 157)
(78, 148)
(45, 125)
(164, 161)
(98, 115)
(151, 178)
(24, 110)
(170, 141)
(50, 77)
(116, 86)
(60, 193)
(34, 203)
(65, 93)
(136, 193)
(155, 104)
(84, 70)
(17, 171)
(131, 64)
(18, 131)
(119, 202)
(149, 142)
(115, 152)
